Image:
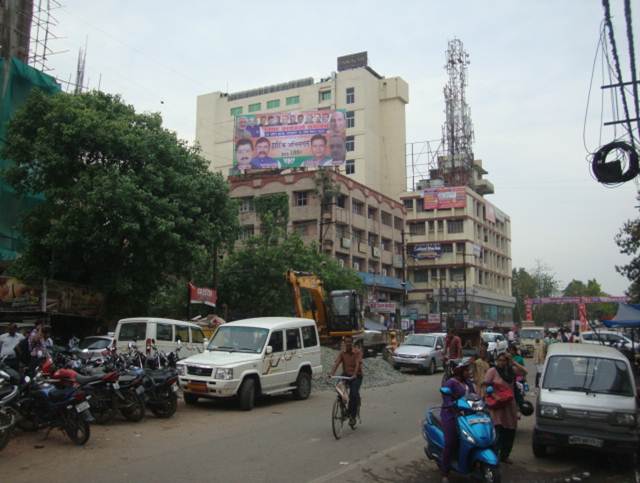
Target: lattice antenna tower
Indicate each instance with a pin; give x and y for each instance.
(457, 132)
(42, 33)
(82, 58)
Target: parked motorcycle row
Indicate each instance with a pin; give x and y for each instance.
(71, 390)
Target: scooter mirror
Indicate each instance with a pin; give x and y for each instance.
(446, 391)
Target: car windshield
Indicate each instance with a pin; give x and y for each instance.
(489, 337)
(588, 374)
(239, 339)
(92, 343)
(419, 339)
(531, 334)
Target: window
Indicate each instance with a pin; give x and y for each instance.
(246, 232)
(254, 107)
(358, 207)
(372, 213)
(455, 226)
(420, 206)
(351, 119)
(358, 236)
(276, 341)
(302, 227)
(416, 228)
(182, 333)
(386, 244)
(341, 201)
(456, 274)
(385, 218)
(293, 339)
(197, 337)
(309, 336)
(293, 100)
(236, 111)
(421, 276)
(408, 204)
(398, 223)
(591, 375)
(133, 332)
(164, 332)
(460, 248)
(273, 104)
(300, 198)
(446, 247)
(351, 95)
(432, 226)
(350, 144)
(440, 226)
(324, 96)
(350, 166)
(246, 204)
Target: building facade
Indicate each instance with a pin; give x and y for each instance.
(458, 257)
(361, 227)
(375, 116)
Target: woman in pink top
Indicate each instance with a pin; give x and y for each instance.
(505, 419)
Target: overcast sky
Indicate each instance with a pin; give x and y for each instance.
(528, 80)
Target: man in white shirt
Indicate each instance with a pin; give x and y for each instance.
(511, 336)
(9, 340)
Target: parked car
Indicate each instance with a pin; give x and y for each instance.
(165, 333)
(420, 351)
(587, 399)
(528, 336)
(252, 357)
(95, 345)
(608, 337)
(496, 343)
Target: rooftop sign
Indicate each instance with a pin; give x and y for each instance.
(352, 61)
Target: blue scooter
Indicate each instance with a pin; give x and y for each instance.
(475, 455)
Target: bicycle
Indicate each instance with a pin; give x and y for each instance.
(340, 411)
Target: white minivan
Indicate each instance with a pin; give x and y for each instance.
(247, 358)
(165, 333)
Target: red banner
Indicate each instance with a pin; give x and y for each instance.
(202, 295)
(444, 197)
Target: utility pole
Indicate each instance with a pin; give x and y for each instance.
(404, 271)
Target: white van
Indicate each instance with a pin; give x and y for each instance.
(247, 358)
(165, 333)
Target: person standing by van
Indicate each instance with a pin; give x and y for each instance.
(351, 359)
(539, 354)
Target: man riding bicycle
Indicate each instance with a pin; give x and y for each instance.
(351, 359)
(452, 348)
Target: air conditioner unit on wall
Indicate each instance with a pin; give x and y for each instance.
(346, 242)
(376, 252)
(356, 266)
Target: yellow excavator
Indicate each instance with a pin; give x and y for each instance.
(336, 316)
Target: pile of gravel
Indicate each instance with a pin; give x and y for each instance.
(377, 372)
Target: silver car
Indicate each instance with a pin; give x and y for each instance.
(420, 351)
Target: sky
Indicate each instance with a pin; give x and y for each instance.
(529, 75)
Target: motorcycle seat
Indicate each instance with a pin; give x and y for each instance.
(80, 379)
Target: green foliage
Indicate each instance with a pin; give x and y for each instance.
(252, 278)
(127, 205)
(628, 239)
(273, 212)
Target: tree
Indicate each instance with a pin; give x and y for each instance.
(126, 204)
(628, 239)
(577, 288)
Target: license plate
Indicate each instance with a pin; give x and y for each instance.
(174, 387)
(139, 390)
(116, 385)
(83, 406)
(580, 440)
(478, 420)
(197, 386)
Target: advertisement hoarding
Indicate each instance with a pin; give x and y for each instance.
(426, 251)
(490, 212)
(202, 295)
(282, 140)
(444, 198)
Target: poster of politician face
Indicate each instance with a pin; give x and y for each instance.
(282, 140)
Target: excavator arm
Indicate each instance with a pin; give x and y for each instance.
(311, 284)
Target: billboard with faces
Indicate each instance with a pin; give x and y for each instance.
(294, 139)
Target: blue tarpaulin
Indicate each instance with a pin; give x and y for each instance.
(373, 280)
(628, 317)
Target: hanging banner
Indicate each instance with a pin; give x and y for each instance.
(443, 198)
(202, 295)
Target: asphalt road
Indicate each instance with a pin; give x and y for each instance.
(280, 440)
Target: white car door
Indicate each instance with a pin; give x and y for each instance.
(274, 366)
(293, 353)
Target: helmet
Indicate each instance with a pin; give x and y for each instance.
(465, 362)
(526, 408)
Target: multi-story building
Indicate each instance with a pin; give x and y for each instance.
(362, 228)
(458, 254)
(375, 115)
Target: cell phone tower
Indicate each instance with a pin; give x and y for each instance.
(457, 132)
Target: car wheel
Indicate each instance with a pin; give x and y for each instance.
(247, 394)
(303, 386)
(431, 369)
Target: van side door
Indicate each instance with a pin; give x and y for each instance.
(182, 334)
(293, 354)
(274, 366)
(197, 338)
(164, 337)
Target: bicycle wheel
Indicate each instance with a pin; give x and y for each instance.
(338, 418)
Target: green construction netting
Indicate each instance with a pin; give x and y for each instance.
(17, 80)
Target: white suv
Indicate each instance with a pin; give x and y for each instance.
(247, 358)
(496, 343)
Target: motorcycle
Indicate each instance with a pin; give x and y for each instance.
(9, 391)
(43, 404)
(475, 455)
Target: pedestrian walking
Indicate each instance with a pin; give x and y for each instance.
(479, 369)
(505, 416)
(539, 354)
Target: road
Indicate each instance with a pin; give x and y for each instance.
(280, 440)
